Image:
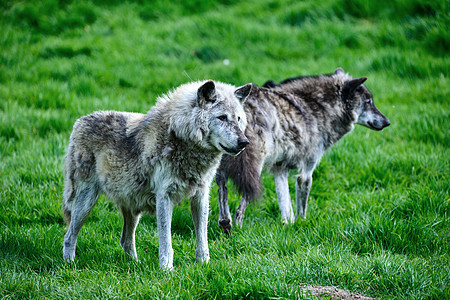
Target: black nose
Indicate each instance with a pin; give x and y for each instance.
(242, 143)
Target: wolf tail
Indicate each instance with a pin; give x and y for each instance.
(245, 170)
(79, 170)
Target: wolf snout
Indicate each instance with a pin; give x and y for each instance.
(242, 143)
(379, 125)
(385, 123)
(239, 146)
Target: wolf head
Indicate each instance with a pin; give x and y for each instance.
(212, 115)
(358, 101)
(226, 117)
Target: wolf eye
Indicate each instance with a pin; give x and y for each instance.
(222, 118)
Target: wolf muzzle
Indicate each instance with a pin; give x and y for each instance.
(242, 143)
(379, 124)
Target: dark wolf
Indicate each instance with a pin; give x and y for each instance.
(151, 162)
(290, 126)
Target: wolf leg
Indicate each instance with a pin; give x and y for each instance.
(224, 210)
(164, 209)
(302, 188)
(240, 211)
(199, 210)
(127, 240)
(284, 199)
(86, 196)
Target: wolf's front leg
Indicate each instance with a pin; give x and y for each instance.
(302, 188)
(284, 199)
(164, 209)
(224, 210)
(240, 212)
(199, 210)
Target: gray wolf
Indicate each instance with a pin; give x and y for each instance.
(147, 163)
(290, 126)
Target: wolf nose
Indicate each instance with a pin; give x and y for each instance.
(242, 143)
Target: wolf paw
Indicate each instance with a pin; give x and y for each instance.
(68, 256)
(226, 226)
(203, 259)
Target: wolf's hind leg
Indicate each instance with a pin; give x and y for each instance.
(302, 188)
(240, 211)
(86, 195)
(224, 210)
(127, 240)
(284, 198)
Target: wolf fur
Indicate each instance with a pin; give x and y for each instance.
(290, 126)
(147, 163)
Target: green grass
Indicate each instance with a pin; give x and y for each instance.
(378, 219)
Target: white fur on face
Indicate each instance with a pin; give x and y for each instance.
(195, 122)
(226, 128)
(223, 121)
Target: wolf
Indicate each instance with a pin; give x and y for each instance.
(148, 163)
(290, 126)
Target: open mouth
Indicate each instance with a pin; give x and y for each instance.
(230, 151)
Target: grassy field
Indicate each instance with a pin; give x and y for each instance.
(378, 221)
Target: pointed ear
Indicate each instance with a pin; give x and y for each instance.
(206, 93)
(339, 71)
(242, 92)
(270, 84)
(350, 86)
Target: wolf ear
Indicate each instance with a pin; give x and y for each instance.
(350, 86)
(242, 92)
(270, 84)
(339, 71)
(206, 93)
